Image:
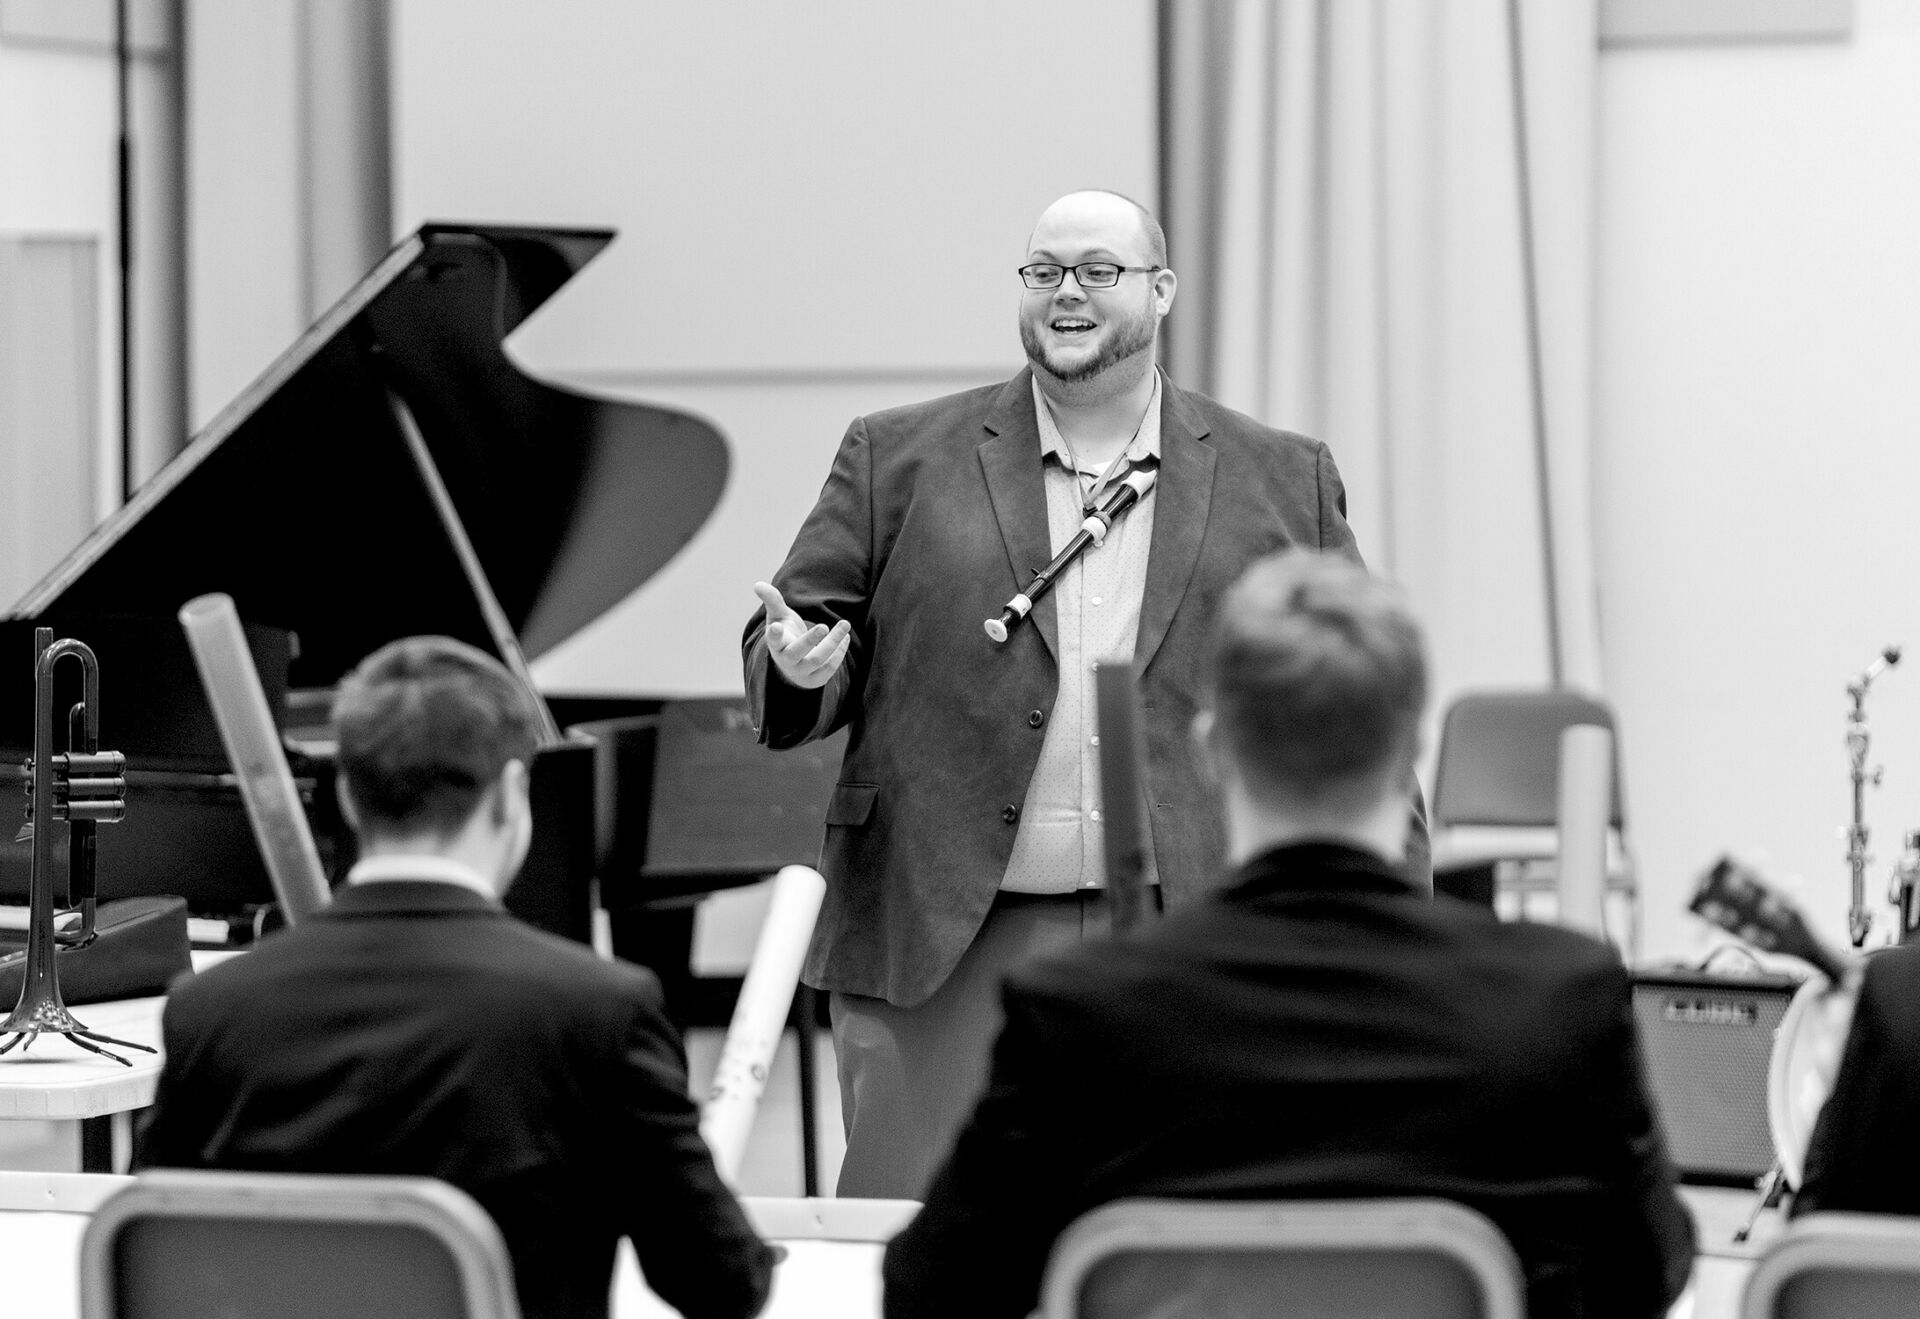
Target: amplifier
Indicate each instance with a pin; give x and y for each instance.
(1708, 1040)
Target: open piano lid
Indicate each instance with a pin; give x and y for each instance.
(303, 501)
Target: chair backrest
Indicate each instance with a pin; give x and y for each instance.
(1499, 760)
(1183, 1259)
(1863, 1266)
(293, 1246)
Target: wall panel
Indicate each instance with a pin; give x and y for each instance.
(1758, 445)
(821, 208)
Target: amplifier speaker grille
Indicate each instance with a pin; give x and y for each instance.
(1707, 1041)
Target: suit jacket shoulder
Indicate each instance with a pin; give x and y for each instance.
(927, 415)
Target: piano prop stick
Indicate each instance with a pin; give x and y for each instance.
(1585, 806)
(1120, 497)
(760, 1016)
(246, 729)
(81, 787)
(1123, 752)
(497, 624)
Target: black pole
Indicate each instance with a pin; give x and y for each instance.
(123, 62)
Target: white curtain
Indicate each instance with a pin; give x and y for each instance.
(1377, 250)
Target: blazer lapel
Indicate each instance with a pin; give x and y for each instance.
(1010, 460)
(1183, 496)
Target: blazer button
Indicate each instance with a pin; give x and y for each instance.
(1037, 718)
(1010, 813)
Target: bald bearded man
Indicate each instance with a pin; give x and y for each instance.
(964, 835)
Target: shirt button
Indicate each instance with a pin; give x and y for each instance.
(1010, 813)
(1094, 740)
(1096, 599)
(1036, 718)
(1094, 816)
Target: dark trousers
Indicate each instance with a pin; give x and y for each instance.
(909, 1077)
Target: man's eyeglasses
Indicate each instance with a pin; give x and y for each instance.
(1088, 274)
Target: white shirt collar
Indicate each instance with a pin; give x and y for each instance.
(1145, 443)
(417, 866)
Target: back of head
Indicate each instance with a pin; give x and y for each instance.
(1318, 679)
(426, 726)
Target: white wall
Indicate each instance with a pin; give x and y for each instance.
(821, 208)
(1758, 442)
(58, 140)
(246, 209)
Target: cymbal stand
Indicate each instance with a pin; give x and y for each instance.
(1772, 1188)
(84, 787)
(1859, 919)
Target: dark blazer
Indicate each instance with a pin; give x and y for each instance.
(931, 518)
(417, 1028)
(1318, 1028)
(1864, 1155)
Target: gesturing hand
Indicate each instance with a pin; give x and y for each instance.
(806, 656)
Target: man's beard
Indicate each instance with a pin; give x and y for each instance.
(1129, 338)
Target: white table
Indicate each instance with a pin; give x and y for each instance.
(54, 1079)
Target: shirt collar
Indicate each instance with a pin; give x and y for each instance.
(417, 866)
(1315, 865)
(1145, 443)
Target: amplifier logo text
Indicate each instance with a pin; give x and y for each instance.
(1709, 1012)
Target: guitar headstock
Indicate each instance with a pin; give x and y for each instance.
(1737, 898)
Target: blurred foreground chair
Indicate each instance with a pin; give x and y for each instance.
(181, 1245)
(1496, 800)
(1333, 1259)
(1861, 1266)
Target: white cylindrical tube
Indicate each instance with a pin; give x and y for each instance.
(246, 730)
(760, 1016)
(1585, 808)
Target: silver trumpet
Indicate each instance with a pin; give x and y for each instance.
(82, 787)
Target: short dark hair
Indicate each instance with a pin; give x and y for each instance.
(1318, 677)
(425, 727)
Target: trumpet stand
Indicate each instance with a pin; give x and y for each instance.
(1859, 918)
(83, 787)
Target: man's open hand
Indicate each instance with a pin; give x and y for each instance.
(807, 656)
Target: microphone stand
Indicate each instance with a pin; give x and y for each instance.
(1859, 919)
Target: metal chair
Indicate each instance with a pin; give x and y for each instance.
(1184, 1259)
(1496, 795)
(293, 1246)
(1862, 1266)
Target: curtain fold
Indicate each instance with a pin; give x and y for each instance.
(1344, 198)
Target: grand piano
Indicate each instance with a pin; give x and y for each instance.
(392, 473)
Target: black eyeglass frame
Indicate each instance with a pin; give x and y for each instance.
(1077, 278)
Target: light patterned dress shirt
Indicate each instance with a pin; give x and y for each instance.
(1096, 601)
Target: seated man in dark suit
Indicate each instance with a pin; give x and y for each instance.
(1864, 1156)
(414, 1027)
(1317, 1027)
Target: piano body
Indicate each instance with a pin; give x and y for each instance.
(392, 473)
